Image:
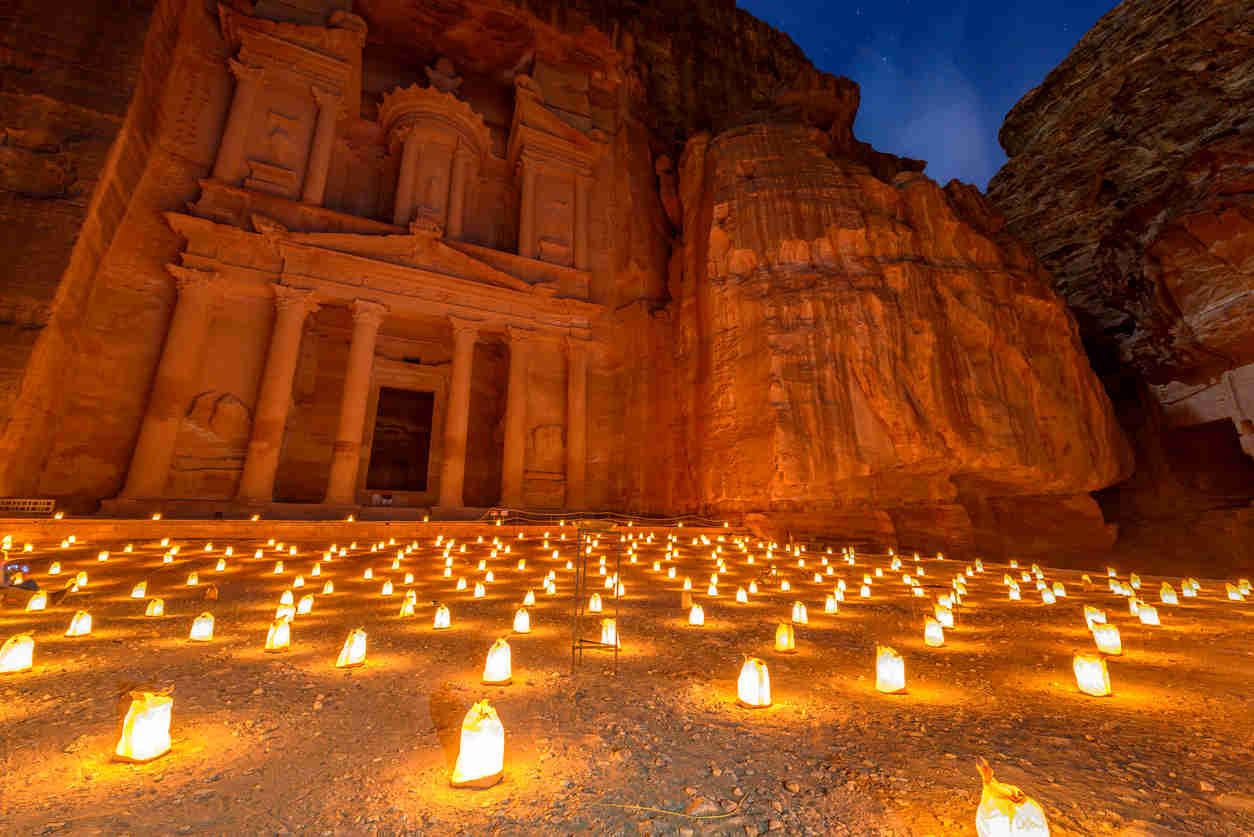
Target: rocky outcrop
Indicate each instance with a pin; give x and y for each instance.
(1131, 175)
(847, 343)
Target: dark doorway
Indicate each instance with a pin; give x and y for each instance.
(401, 446)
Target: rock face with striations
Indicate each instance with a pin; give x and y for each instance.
(854, 346)
(1131, 175)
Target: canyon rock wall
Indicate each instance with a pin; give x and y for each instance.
(846, 343)
(1131, 176)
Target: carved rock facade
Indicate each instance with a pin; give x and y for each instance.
(309, 210)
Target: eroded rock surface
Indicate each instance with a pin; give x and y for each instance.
(1131, 175)
(848, 342)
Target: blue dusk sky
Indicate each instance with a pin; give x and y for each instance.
(937, 78)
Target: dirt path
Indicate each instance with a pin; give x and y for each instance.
(288, 744)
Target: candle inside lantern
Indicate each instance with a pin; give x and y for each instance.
(328, 588)
(799, 615)
(156, 607)
(1091, 675)
(890, 670)
(522, 621)
(80, 625)
(306, 603)
(480, 590)
(933, 633)
(481, 756)
(594, 603)
(785, 638)
(609, 632)
(37, 601)
(1148, 614)
(145, 728)
(696, 616)
(442, 618)
(354, 651)
(753, 687)
(202, 628)
(1107, 639)
(1005, 810)
(17, 653)
(497, 670)
(279, 637)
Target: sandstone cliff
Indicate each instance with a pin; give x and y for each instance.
(1130, 176)
(847, 344)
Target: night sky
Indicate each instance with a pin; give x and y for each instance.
(937, 77)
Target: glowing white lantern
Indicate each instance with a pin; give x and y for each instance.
(481, 756)
(328, 588)
(354, 651)
(285, 611)
(37, 601)
(1093, 616)
(387, 588)
(17, 653)
(696, 616)
(287, 598)
(1060, 591)
(220, 566)
(522, 621)
(156, 607)
(368, 574)
(299, 581)
(146, 728)
(609, 632)
(1167, 594)
(496, 669)
(785, 639)
(799, 614)
(305, 605)
(54, 568)
(784, 586)
(279, 637)
(80, 625)
(944, 615)
(1091, 675)
(753, 688)
(461, 584)
(1006, 811)
(865, 591)
(753, 588)
(1148, 614)
(278, 567)
(933, 633)
(594, 603)
(202, 628)
(1107, 639)
(890, 670)
(1048, 597)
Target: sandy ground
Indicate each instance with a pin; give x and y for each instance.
(288, 744)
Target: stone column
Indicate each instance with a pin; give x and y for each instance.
(457, 416)
(515, 418)
(576, 422)
(323, 143)
(230, 166)
(404, 209)
(583, 184)
(527, 212)
(256, 484)
(462, 160)
(175, 382)
(342, 484)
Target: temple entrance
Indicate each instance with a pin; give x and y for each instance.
(401, 446)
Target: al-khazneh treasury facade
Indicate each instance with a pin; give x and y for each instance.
(424, 251)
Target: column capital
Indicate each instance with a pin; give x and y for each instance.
(326, 98)
(245, 72)
(191, 281)
(520, 336)
(463, 329)
(302, 300)
(368, 312)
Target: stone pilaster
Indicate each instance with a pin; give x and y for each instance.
(323, 143)
(230, 165)
(175, 382)
(342, 484)
(576, 422)
(520, 344)
(457, 416)
(274, 400)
